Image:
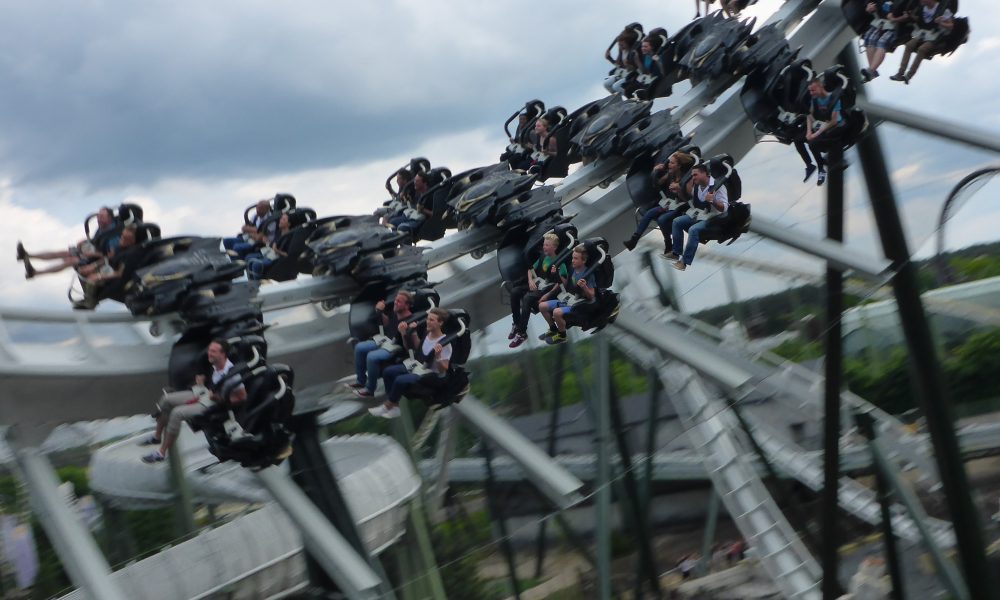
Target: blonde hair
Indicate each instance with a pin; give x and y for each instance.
(582, 250)
(551, 237)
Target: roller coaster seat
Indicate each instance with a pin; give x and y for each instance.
(560, 126)
(436, 199)
(728, 228)
(286, 268)
(257, 432)
(721, 168)
(392, 267)
(603, 309)
(220, 302)
(457, 335)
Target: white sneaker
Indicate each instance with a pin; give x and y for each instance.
(377, 411)
(390, 413)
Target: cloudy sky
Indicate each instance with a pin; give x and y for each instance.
(196, 110)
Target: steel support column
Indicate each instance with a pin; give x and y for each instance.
(76, 548)
(928, 380)
(830, 556)
(499, 518)
(866, 425)
(602, 376)
(183, 503)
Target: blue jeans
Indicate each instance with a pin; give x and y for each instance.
(400, 385)
(238, 245)
(694, 228)
(368, 360)
(389, 377)
(256, 265)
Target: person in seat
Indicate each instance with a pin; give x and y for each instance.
(257, 262)
(83, 252)
(881, 35)
(369, 358)
(824, 125)
(579, 284)
(430, 352)
(418, 210)
(248, 240)
(932, 21)
(400, 200)
(669, 180)
(547, 146)
(177, 407)
(718, 203)
(522, 298)
(624, 63)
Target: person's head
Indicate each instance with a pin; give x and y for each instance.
(403, 177)
(816, 88)
(699, 174)
(579, 257)
(128, 237)
(284, 223)
(542, 125)
(403, 303)
(436, 318)
(680, 163)
(522, 119)
(105, 216)
(627, 39)
(263, 207)
(420, 183)
(218, 353)
(550, 243)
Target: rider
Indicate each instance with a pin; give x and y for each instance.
(246, 242)
(931, 22)
(624, 63)
(523, 297)
(435, 356)
(85, 251)
(881, 35)
(579, 284)
(177, 407)
(718, 200)
(368, 356)
(677, 165)
(824, 125)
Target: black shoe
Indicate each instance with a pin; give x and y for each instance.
(631, 242)
(810, 169)
(821, 177)
(152, 440)
(513, 332)
(899, 77)
(21, 252)
(29, 271)
(548, 334)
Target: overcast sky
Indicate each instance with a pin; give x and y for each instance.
(195, 110)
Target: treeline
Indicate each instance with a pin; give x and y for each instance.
(782, 311)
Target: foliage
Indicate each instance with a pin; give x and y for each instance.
(799, 350)
(459, 545)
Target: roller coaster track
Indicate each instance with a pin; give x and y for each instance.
(107, 354)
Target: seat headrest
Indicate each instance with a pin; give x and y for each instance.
(283, 202)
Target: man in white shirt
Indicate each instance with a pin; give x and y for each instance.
(717, 203)
(249, 237)
(178, 407)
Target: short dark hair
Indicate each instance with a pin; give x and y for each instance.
(222, 344)
(703, 167)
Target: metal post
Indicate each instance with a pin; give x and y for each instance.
(499, 519)
(183, 503)
(311, 472)
(866, 425)
(418, 532)
(929, 382)
(555, 400)
(830, 557)
(734, 298)
(711, 522)
(76, 548)
(602, 373)
(324, 543)
(646, 561)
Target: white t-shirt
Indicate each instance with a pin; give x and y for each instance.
(428, 349)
